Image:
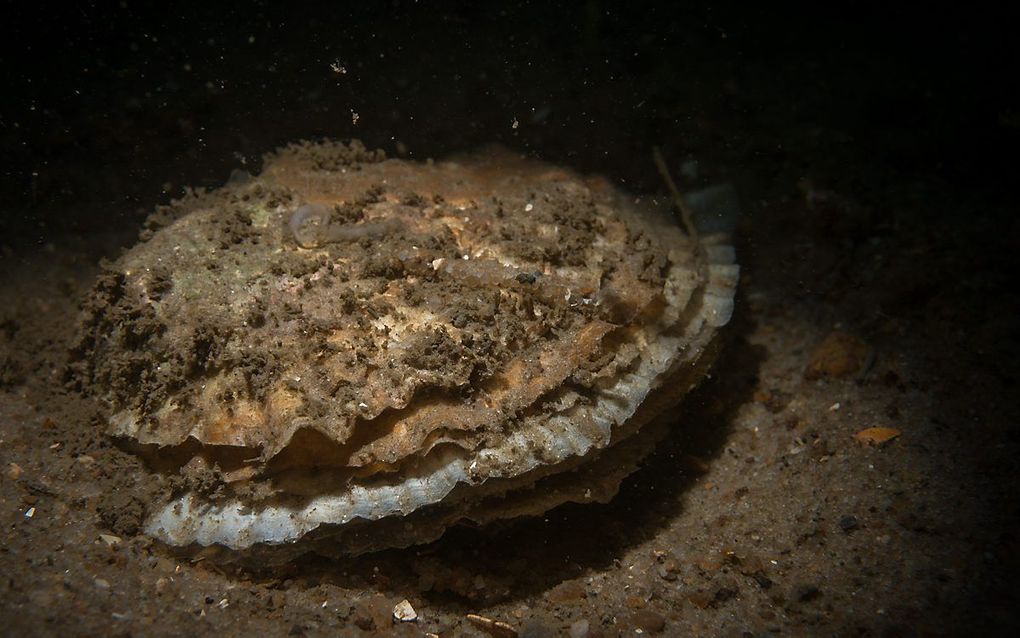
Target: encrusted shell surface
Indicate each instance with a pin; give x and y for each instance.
(361, 351)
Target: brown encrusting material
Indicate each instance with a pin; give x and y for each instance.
(347, 339)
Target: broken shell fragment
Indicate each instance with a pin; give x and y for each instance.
(404, 612)
(357, 353)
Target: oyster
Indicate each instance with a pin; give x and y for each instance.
(358, 352)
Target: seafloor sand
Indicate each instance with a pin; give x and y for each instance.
(762, 512)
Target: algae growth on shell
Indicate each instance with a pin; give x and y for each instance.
(356, 352)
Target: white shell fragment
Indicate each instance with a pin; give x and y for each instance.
(404, 612)
(357, 353)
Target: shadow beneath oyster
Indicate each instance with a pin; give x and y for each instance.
(518, 558)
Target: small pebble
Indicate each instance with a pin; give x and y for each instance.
(668, 571)
(763, 581)
(699, 599)
(373, 612)
(849, 524)
(839, 355)
(806, 593)
(404, 612)
(580, 629)
(648, 621)
(102, 583)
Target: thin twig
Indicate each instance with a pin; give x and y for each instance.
(686, 214)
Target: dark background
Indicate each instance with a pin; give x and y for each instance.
(108, 108)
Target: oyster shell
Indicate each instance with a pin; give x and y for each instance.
(360, 352)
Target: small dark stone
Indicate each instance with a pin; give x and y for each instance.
(849, 524)
(375, 612)
(763, 581)
(526, 278)
(121, 513)
(364, 622)
(806, 593)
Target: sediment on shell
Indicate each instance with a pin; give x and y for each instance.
(346, 342)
